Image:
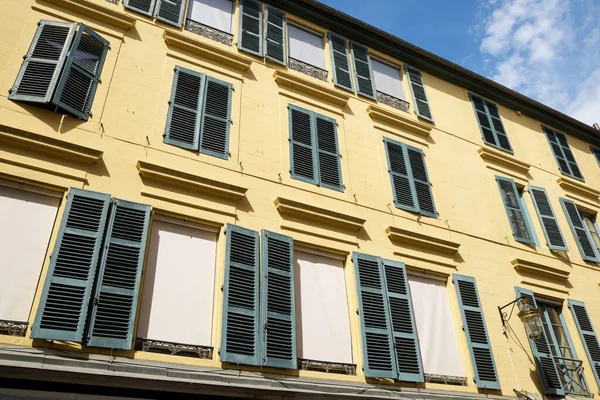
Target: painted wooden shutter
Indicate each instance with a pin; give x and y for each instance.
(514, 210)
(404, 195)
(588, 335)
(183, 121)
(490, 123)
(251, 27)
(484, 366)
(548, 220)
(562, 153)
(342, 76)
(275, 35)
(582, 237)
(170, 11)
(596, 152)
(142, 6)
(543, 355)
(417, 88)
(420, 181)
(64, 304)
(240, 343)
(406, 342)
(43, 62)
(378, 346)
(216, 118)
(278, 315)
(330, 174)
(302, 146)
(363, 71)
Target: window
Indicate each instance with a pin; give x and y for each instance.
(490, 123)
(314, 150)
(562, 153)
(516, 211)
(199, 113)
(554, 236)
(592, 227)
(216, 14)
(169, 11)
(388, 79)
(581, 231)
(306, 46)
(596, 152)
(62, 68)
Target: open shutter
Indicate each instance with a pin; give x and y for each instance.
(404, 195)
(490, 123)
(406, 342)
(552, 231)
(278, 315)
(170, 11)
(64, 304)
(543, 355)
(484, 366)
(78, 83)
(417, 88)
(43, 62)
(582, 237)
(118, 284)
(240, 343)
(342, 76)
(562, 153)
(275, 38)
(330, 174)
(588, 335)
(216, 118)
(183, 121)
(422, 185)
(596, 152)
(375, 324)
(363, 71)
(142, 6)
(302, 146)
(251, 27)
(514, 210)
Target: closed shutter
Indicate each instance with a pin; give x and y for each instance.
(240, 342)
(278, 311)
(302, 146)
(251, 27)
(582, 237)
(170, 11)
(142, 6)
(330, 174)
(417, 88)
(475, 329)
(421, 183)
(64, 304)
(562, 153)
(543, 355)
(406, 342)
(342, 76)
(216, 118)
(363, 71)
(118, 284)
(514, 210)
(588, 335)
(404, 196)
(43, 62)
(78, 83)
(275, 43)
(490, 123)
(548, 220)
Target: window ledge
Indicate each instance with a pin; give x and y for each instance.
(400, 121)
(192, 44)
(532, 268)
(190, 182)
(415, 239)
(503, 159)
(309, 87)
(99, 12)
(302, 210)
(571, 185)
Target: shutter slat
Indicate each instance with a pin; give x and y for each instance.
(330, 173)
(145, 7)
(562, 153)
(582, 237)
(302, 145)
(417, 87)
(170, 11)
(251, 27)
(363, 71)
(588, 335)
(275, 43)
(422, 185)
(342, 76)
(552, 231)
(402, 183)
(514, 210)
(216, 118)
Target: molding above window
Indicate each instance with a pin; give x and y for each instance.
(503, 159)
(94, 10)
(327, 217)
(525, 267)
(578, 188)
(403, 122)
(312, 88)
(414, 239)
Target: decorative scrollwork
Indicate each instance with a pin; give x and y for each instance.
(393, 101)
(204, 352)
(308, 69)
(113, 1)
(329, 367)
(446, 379)
(208, 32)
(13, 328)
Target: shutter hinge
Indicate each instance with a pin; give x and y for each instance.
(340, 155)
(232, 89)
(231, 121)
(228, 154)
(222, 287)
(170, 102)
(100, 80)
(344, 187)
(91, 115)
(357, 312)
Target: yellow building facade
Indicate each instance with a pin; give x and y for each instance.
(274, 200)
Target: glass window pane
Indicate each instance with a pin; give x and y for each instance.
(589, 221)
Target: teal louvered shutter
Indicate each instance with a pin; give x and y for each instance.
(302, 145)
(562, 153)
(43, 62)
(216, 118)
(417, 87)
(404, 196)
(515, 210)
(543, 355)
(342, 76)
(63, 307)
(275, 35)
(251, 27)
(183, 120)
(278, 311)
(554, 236)
(145, 7)
(582, 236)
(420, 182)
(375, 324)
(330, 174)
(114, 308)
(484, 366)
(77, 86)
(240, 341)
(170, 11)
(404, 328)
(365, 84)
(490, 123)
(588, 335)
(596, 152)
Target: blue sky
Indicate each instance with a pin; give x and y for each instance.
(546, 49)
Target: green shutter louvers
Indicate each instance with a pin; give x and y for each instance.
(490, 123)
(580, 232)
(515, 210)
(554, 236)
(275, 43)
(421, 183)
(330, 175)
(588, 335)
(142, 6)
(251, 27)
(596, 152)
(170, 11)
(562, 153)
(365, 85)
(216, 118)
(342, 76)
(417, 88)
(302, 145)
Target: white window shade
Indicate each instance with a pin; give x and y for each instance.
(437, 336)
(388, 79)
(178, 292)
(322, 322)
(217, 14)
(306, 47)
(27, 220)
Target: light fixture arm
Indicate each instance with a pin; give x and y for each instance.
(504, 316)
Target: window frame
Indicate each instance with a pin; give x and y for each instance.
(488, 114)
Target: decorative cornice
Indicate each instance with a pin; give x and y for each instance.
(310, 87)
(415, 239)
(94, 10)
(503, 159)
(193, 44)
(303, 210)
(571, 185)
(533, 268)
(398, 120)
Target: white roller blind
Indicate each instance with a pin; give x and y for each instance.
(306, 47)
(178, 292)
(437, 336)
(217, 14)
(322, 322)
(388, 79)
(26, 221)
